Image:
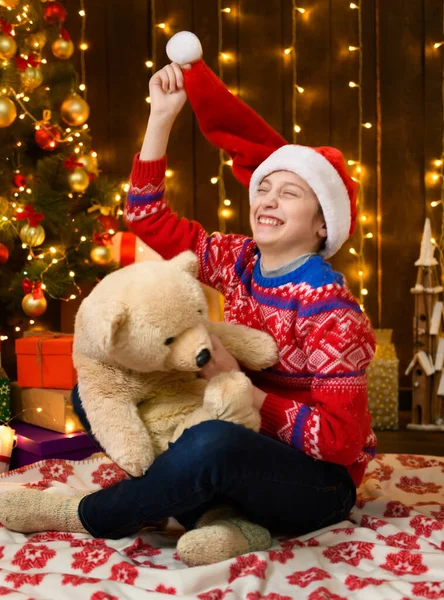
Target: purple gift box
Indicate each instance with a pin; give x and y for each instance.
(35, 444)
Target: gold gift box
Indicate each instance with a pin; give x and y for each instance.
(383, 383)
(51, 409)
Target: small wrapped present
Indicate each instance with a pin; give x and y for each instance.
(383, 383)
(35, 444)
(51, 409)
(45, 360)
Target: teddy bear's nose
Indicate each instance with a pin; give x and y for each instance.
(203, 357)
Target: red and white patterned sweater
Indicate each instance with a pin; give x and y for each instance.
(317, 394)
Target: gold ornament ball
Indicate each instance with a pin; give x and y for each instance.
(32, 236)
(101, 255)
(8, 111)
(8, 46)
(32, 77)
(78, 180)
(34, 307)
(74, 110)
(4, 205)
(36, 41)
(9, 3)
(89, 163)
(63, 49)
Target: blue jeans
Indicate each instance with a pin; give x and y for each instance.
(214, 463)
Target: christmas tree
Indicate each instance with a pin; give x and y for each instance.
(57, 211)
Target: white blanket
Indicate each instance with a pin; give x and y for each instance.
(391, 548)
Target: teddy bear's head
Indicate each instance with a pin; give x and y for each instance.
(149, 316)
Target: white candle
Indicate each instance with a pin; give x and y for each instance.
(6, 444)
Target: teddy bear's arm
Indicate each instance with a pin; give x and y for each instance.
(253, 349)
(109, 398)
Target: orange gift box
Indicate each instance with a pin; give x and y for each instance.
(45, 362)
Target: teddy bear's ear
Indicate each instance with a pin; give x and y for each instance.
(187, 261)
(113, 323)
(103, 322)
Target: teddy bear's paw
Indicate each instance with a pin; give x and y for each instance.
(229, 396)
(137, 461)
(260, 352)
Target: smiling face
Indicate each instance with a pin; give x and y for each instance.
(286, 219)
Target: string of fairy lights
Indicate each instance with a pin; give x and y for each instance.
(439, 162)
(363, 220)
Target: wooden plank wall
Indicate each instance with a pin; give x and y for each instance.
(402, 77)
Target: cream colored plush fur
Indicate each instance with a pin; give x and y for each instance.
(140, 392)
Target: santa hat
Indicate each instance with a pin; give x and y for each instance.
(258, 150)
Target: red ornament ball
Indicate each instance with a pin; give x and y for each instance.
(108, 222)
(19, 180)
(4, 254)
(54, 13)
(48, 137)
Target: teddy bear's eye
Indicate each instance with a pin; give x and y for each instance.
(169, 341)
(200, 311)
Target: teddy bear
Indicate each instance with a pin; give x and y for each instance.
(140, 340)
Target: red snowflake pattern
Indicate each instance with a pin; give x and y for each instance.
(32, 556)
(166, 590)
(345, 531)
(439, 514)
(349, 552)
(412, 461)
(404, 563)
(51, 536)
(91, 556)
(56, 469)
(414, 485)
(271, 596)
(248, 564)
(323, 593)
(381, 473)
(19, 579)
(358, 583)
(41, 485)
(280, 556)
(312, 542)
(304, 578)
(151, 565)
(4, 591)
(102, 596)
(214, 594)
(76, 580)
(401, 540)
(432, 590)
(108, 475)
(124, 572)
(372, 522)
(140, 550)
(424, 526)
(395, 509)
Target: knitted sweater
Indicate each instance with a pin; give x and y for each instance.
(317, 394)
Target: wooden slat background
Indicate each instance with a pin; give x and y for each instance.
(402, 77)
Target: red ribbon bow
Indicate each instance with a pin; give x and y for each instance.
(28, 213)
(103, 239)
(32, 287)
(22, 63)
(65, 35)
(71, 163)
(5, 27)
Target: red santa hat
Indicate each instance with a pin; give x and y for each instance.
(258, 150)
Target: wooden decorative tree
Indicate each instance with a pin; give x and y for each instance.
(428, 354)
